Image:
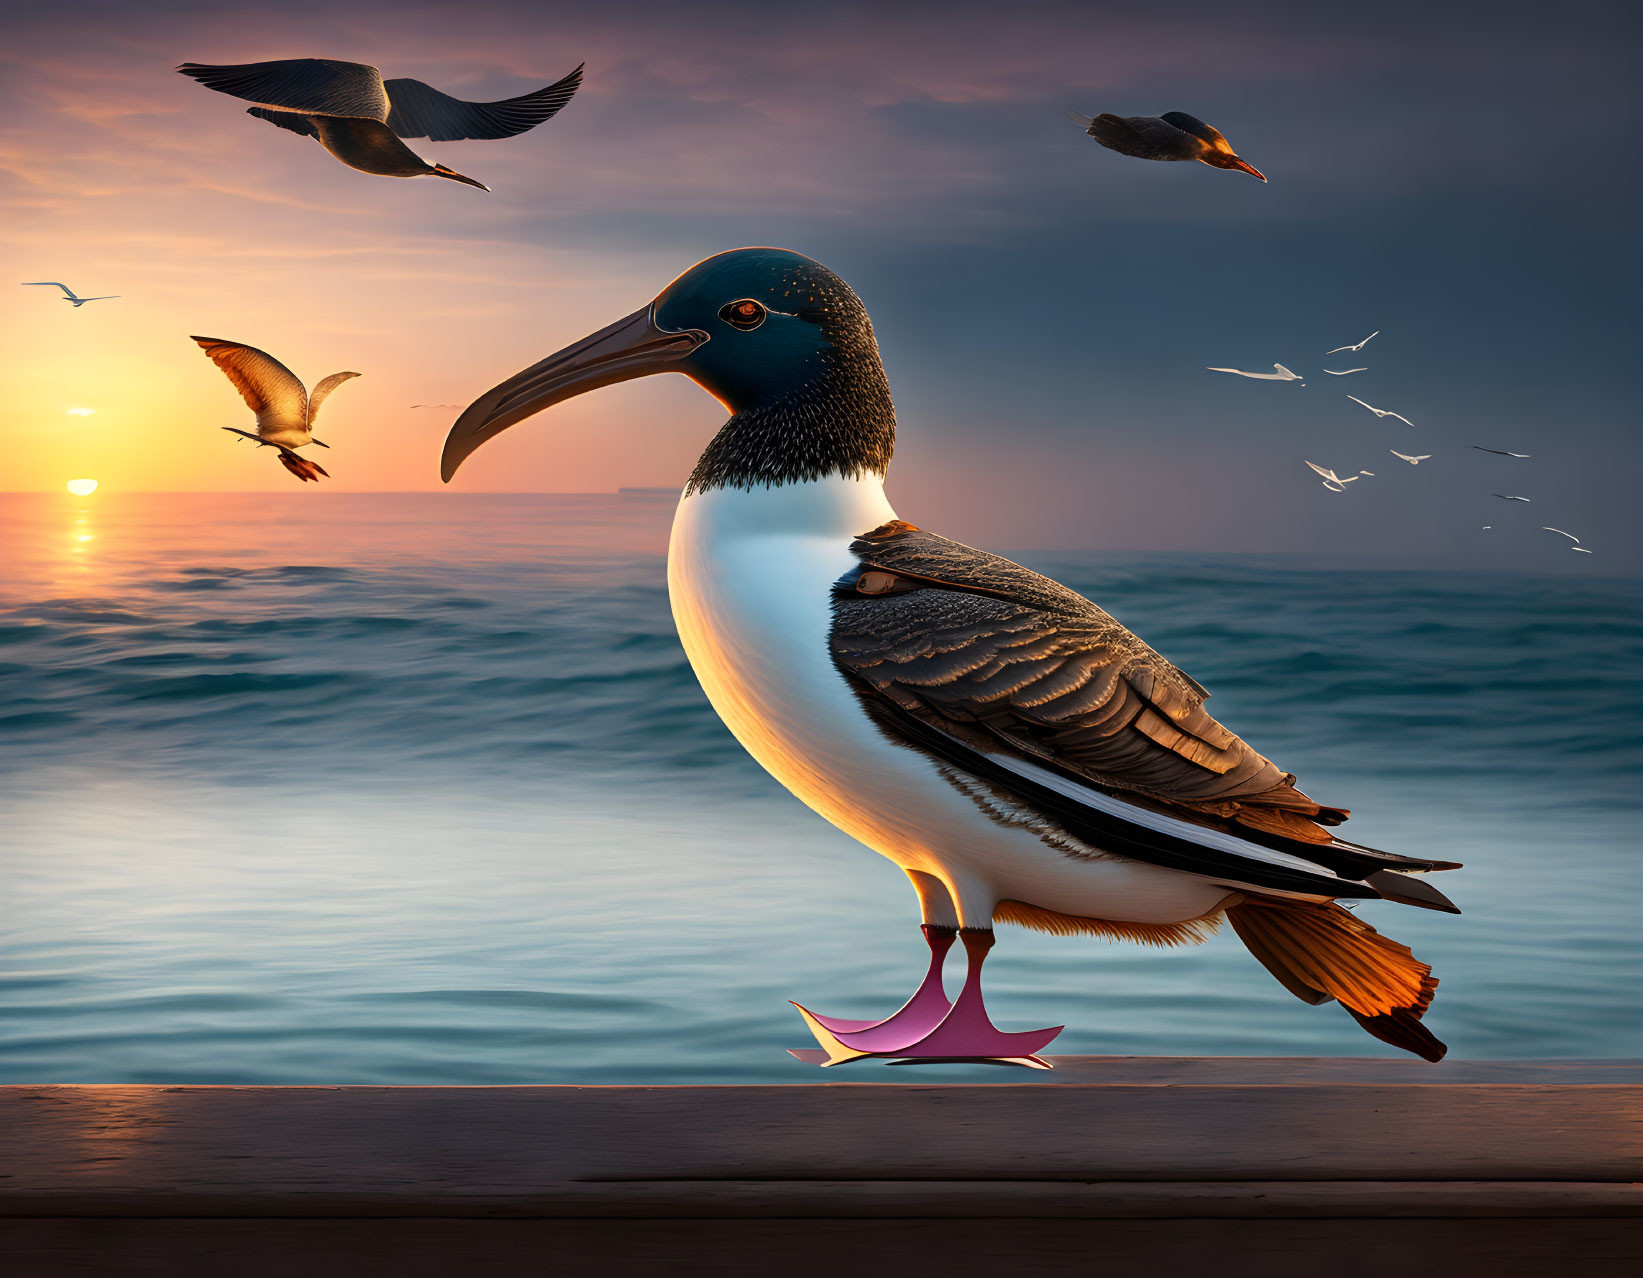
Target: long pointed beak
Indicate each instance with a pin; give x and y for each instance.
(1248, 168)
(631, 347)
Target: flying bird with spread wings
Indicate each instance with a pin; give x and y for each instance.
(1336, 483)
(360, 118)
(1381, 412)
(68, 293)
(284, 408)
(1175, 135)
(1282, 375)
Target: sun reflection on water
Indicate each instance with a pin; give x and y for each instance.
(81, 533)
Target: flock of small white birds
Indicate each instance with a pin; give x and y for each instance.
(1337, 483)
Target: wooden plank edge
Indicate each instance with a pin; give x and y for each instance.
(997, 1199)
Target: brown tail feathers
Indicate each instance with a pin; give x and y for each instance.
(1321, 951)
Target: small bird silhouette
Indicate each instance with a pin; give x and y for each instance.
(1332, 481)
(1355, 349)
(284, 408)
(360, 118)
(1282, 375)
(1381, 412)
(1496, 451)
(68, 293)
(1415, 460)
(1175, 135)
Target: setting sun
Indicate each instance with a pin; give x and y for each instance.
(82, 487)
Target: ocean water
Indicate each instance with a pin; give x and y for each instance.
(314, 788)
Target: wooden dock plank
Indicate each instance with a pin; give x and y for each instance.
(370, 1143)
(1120, 1156)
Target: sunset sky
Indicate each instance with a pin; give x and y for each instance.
(1456, 176)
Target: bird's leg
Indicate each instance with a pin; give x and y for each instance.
(929, 1002)
(916, 1017)
(966, 1032)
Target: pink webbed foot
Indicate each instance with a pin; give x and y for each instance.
(916, 1017)
(924, 1030)
(966, 1031)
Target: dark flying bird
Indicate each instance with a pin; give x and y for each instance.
(1014, 749)
(360, 118)
(284, 408)
(1175, 135)
(68, 293)
(1496, 451)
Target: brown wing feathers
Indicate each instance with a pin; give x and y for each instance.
(996, 655)
(1073, 685)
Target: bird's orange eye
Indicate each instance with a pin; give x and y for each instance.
(745, 314)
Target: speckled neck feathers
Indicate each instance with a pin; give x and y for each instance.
(841, 421)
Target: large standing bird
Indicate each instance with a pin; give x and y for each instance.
(1175, 135)
(1019, 753)
(360, 118)
(284, 408)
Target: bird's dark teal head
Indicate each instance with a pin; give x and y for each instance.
(777, 322)
(776, 337)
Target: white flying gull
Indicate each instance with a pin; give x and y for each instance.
(1487, 527)
(1382, 412)
(1416, 460)
(1505, 497)
(1282, 375)
(68, 293)
(1332, 481)
(1560, 533)
(1580, 550)
(1496, 451)
(1342, 372)
(1354, 349)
